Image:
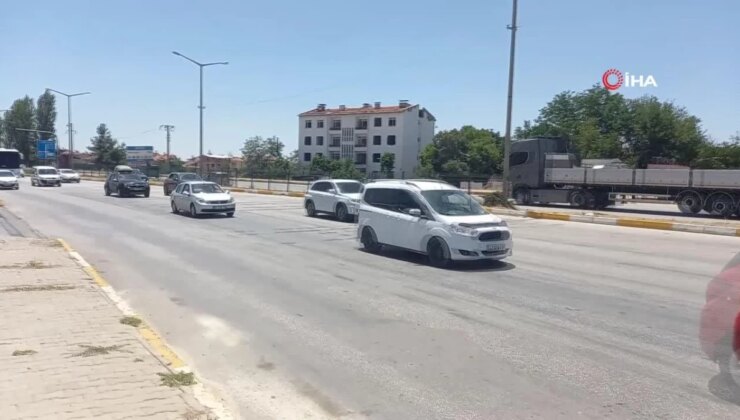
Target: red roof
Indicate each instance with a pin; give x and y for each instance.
(360, 110)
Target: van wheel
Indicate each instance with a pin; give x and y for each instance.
(310, 209)
(438, 253)
(370, 241)
(341, 212)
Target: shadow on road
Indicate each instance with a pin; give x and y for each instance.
(724, 389)
(462, 266)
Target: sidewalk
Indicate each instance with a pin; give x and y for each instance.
(64, 352)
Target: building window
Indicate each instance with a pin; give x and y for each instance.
(360, 158)
(336, 125)
(392, 122)
(361, 141)
(361, 124)
(308, 123)
(307, 141)
(334, 155)
(335, 141)
(319, 140)
(378, 122)
(318, 155)
(391, 141)
(306, 157)
(377, 140)
(319, 123)
(376, 157)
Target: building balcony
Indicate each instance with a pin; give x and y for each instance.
(361, 127)
(335, 128)
(360, 144)
(334, 145)
(361, 162)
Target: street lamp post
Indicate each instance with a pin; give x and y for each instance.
(509, 101)
(69, 122)
(200, 66)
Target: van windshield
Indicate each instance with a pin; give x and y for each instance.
(349, 187)
(452, 203)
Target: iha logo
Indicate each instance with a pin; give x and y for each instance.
(613, 80)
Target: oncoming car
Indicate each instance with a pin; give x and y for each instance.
(45, 175)
(176, 178)
(8, 180)
(200, 197)
(126, 184)
(340, 197)
(68, 175)
(432, 218)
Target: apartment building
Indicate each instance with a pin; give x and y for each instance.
(365, 133)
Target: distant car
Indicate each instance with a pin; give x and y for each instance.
(126, 184)
(201, 197)
(8, 180)
(45, 175)
(339, 197)
(176, 178)
(719, 329)
(68, 175)
(432, 218)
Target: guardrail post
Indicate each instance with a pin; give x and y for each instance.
(287, 182)
(251, 181)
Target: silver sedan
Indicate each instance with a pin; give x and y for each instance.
(200, 197)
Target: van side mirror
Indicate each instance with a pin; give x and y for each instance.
(415, 212)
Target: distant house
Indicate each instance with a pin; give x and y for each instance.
(215, 163)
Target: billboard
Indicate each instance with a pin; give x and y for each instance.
(46, 149)
(139, 155)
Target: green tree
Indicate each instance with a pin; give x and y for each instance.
(387, 164)
(345, 169)
(459, 151)
(321, 165)
(725, 155)
(22, 115)
(108, 152)
(265, 156)
(46, 113)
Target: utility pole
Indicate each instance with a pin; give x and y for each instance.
(168, 128)
(507, 138)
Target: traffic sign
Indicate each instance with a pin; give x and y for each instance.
(46, 149)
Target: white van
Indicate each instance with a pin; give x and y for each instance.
(433, 218)
(45, 175)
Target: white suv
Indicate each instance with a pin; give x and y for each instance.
(339, 197)
(433, 218)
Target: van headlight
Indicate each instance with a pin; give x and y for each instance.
(462, 230)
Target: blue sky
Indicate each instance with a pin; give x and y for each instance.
(287, 56)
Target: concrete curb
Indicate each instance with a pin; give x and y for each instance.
(622, 221)
(160, 348)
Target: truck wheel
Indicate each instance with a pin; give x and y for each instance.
(720, 205)
(522, 196)
(689, 202)
(578, 199)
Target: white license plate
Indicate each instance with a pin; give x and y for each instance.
(495, 247)
(222, 207)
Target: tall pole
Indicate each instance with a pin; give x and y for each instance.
(200, 158)
(507, 138)
(69, 122)
(200, 106)
(69, 130)
(168, 128)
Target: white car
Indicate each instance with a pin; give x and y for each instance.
(432, 218)
(68, 175)
(201, 197)
(340, 197)
(8, 180)
(45, 175)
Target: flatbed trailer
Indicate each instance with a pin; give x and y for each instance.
(542, 171)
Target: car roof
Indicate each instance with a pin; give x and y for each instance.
(198, 182)
(411, 184)
(44, 167)
(337, 180)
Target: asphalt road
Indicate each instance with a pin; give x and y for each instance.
(290, 320)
